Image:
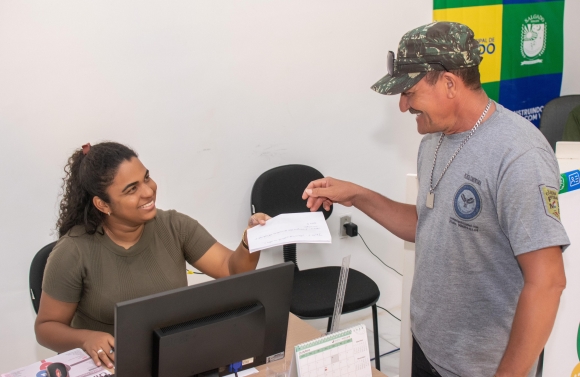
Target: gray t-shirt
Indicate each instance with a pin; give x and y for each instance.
(497, 200)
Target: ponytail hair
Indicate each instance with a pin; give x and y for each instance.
(88, 173)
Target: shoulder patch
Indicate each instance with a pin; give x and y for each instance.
(550, 199)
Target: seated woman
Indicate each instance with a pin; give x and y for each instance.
(115, 245)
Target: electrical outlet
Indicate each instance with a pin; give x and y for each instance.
(343, 220)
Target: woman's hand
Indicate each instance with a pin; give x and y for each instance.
(258, 218)
(53, 331)
(99, 346)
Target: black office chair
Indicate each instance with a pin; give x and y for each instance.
(37, 274)
(555, 115)
(279, 190)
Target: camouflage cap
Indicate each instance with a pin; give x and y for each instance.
(437, 46)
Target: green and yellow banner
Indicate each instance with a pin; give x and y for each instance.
(569, 181)
(522, 45)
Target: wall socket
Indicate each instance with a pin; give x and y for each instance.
(343, 220)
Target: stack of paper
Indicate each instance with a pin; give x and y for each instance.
(288, 228)
(77, 362)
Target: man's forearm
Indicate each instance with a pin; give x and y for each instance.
(533, 322)
(398, 218)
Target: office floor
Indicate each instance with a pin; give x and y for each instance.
(389, 335)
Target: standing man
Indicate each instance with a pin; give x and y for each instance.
(489, 270)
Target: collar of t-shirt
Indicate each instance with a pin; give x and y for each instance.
(136, 249)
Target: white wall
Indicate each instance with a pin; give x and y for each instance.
(210, 94)
(571, 77)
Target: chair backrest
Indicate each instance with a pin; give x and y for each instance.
(37, 273)
(279, 190)
(555, 115)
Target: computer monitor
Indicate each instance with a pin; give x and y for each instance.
(206, 327)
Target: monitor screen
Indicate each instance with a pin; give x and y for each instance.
(205, 327)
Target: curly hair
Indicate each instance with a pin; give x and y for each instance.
(87, 176)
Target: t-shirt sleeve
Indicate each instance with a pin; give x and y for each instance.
(63, 279)
(194, 238)
(527, 202)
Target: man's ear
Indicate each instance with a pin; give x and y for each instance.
(451, 83)
(101, 205)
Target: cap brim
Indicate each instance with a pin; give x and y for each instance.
(397, 84)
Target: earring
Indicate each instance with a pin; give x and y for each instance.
(109, 213)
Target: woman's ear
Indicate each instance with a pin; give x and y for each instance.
(101, 205)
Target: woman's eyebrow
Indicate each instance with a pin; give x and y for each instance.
(136, 182)
(129, 185)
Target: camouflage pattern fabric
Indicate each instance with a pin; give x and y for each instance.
(436, 46)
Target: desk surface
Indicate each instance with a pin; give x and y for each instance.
(299, 332)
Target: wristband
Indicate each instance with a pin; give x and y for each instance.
(244, 244)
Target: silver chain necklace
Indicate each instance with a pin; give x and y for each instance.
(431, 194)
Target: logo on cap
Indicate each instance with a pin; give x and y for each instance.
(533, 43)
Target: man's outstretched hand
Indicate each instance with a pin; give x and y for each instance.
(326, 191)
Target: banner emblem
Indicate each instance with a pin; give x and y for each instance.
(533, 42)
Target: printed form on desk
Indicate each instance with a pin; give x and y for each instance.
(77, 362)
(343, 353)
(288, 228)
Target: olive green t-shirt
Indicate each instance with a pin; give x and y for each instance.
(96, 273)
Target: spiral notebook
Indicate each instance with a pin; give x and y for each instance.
(343, 353)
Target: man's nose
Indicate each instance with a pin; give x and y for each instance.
(403, 103)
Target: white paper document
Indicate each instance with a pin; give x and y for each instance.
(343, 353)
(77, 362)
(288, 228)
(244, 373)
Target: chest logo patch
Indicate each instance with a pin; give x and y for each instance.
(550, 200)
(467, 202)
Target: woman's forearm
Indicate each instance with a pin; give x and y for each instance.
(59, 337)
(242, 260)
